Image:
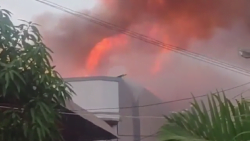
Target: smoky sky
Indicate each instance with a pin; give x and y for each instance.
(176, 21)
(182, 19)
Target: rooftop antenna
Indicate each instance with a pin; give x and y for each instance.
(244, 53)
(122, 75)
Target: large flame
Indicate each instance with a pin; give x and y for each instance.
(101, 50)
(157, 67)
(96, 54)
(159, 60)
(82, 47)
(117, 44)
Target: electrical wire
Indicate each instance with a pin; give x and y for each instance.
(153, 42)
(162, 117)
(154, 135)
(122, 116)
(91, 114)
(137, 117)
(142, 137)
(148, 39)
(241, 94)
(103, 115)
(134, 135)
(171, 101)
(149, 136)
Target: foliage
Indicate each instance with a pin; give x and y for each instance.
(222, 122)
(30, 89)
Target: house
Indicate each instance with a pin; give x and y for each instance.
(121, 103)
(80, 125)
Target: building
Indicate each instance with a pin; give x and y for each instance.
(121, 103)
(81, 125)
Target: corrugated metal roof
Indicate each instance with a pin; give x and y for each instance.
(70, 105)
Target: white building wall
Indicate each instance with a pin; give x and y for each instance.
(112, 93)
(119, 93)
(97, 96)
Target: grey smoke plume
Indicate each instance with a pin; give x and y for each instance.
(179, 22)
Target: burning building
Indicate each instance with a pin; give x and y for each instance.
(82, 48)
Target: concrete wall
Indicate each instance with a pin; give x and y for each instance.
(97, 96)
(132, 125)
(135, 122)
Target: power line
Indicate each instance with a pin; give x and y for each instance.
(138, 117)
(148, 39)
(142, 137)
(154, 135)
(241, 94)
(154, 42)
(171, 101)
(156, 117)
(91, 114)
(123, 116)
(149, 136)
(136, 135)
(103, 115)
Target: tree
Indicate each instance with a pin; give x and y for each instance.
(222, 122)
(31, 91)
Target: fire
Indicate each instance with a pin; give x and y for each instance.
(154, 32)
(96, 53)
(102, 49)
(157, 67)
(116, 44)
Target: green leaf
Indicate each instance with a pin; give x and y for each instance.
(46, 108)
(7, 12)
(39, 134)
(224, 122)
(11, 75)
(37, 118)
(32, 115)
(19, 76)
(25, 129)
(172, 132)
(7, 81)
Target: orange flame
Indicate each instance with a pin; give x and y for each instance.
(96, 53)
(107, 45)
(158, 62)
(154, 32)
(100, 50)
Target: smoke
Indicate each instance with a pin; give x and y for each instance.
(179, 22)
(187, 19)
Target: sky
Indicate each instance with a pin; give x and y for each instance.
(27, 9)
(178, 76)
